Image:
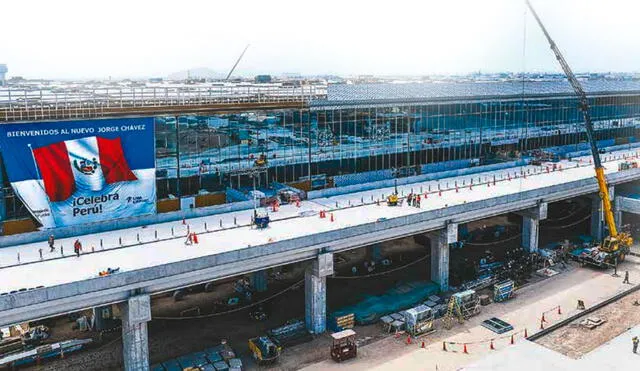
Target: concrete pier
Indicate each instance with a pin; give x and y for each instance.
(136, 312)
(440, 241)
(315, 293)
(531, 226)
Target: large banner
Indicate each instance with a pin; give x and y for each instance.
(76, 172)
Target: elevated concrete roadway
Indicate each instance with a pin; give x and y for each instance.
(165, 264)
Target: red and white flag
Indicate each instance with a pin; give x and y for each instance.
(86, 164)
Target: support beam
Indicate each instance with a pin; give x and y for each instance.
(136, 312)
(440, 241)
(315, 293)
(530, 233)
(597, 215)
(531, 225)
(259, 280)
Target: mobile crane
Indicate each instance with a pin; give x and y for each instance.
(616, 245)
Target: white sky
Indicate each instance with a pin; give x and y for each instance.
(142, 38)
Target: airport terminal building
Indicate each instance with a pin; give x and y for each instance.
(354, 134)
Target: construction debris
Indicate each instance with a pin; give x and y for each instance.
(592, 322)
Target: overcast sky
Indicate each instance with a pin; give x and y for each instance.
(143, 38)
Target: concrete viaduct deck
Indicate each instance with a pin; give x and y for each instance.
(151, 268)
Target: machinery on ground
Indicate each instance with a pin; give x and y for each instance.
(616, 245)
(393, 199)
(264, 350)
(261, 218)
(261, 160)
(344, 345)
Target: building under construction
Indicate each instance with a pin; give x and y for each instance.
(345, 134)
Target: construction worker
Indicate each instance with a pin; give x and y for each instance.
(77, 247)
(626, 277)
(635, 344)
(51, 242)
(409, 199)
(418, 201)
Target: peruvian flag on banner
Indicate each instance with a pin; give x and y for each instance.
(86, 164)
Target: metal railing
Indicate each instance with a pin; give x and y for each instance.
(42, 103)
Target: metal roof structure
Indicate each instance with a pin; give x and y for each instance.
(368, 94)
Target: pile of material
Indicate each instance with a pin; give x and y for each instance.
(419, 320)
(340, 323)
(503, 291)
(220, 357)
(291, 333)
(592, 322)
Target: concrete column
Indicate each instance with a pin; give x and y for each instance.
(136, 312)
(315, 293)
(597, 215)
(440, 241)
(617, 210)
(259, 280)
(374, 252)
(100, 317)
(531, 226)
(530, 233)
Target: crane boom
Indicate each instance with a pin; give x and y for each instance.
(584, 107)
(237, 61)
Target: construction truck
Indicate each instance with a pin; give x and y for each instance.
(264, 350)
(616, 245)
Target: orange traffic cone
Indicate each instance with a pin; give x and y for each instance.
(408, 339)
(464, 349)
(422, 345)
(195, 237)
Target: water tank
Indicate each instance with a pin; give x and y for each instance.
(3, 72)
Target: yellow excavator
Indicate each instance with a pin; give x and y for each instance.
(616, 245)
(393, 199)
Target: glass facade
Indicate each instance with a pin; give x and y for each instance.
(344, 144)
(256, 148)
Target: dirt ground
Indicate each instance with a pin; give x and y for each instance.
(575, 341)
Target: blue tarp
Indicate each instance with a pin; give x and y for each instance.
(403, 296)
